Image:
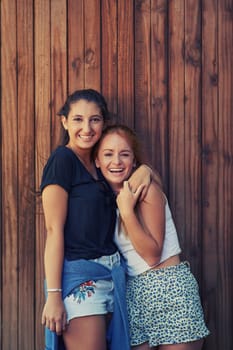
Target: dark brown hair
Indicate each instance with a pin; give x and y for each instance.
(89, 95)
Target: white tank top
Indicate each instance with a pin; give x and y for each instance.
(134, 262)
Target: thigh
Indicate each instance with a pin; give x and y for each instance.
(144, 346)
(194, 345)
(88, 332)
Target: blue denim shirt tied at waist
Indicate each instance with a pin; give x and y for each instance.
(76, 272)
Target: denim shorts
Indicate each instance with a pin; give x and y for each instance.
(93, 297)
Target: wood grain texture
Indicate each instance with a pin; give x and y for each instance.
(125, 61)
(42, 49)
(92, 44)
(159, 88)
(109, 42)
(9, 166)
(26, 174)
(210, 168)
(75, 42)
(58, 65)
(225, 171)
(142, 75)
(176, 151)
(192, 133)
(165, 68)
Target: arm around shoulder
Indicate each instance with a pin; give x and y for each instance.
(145, 225)
(143, 176)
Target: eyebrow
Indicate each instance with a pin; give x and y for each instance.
(124, 150)
(91, 116)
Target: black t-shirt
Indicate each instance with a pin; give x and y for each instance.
(91, 213)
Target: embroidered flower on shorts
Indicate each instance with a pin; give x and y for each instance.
(86, 289)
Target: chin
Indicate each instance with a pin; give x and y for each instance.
(116, 185)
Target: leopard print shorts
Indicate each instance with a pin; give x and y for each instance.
(164, 307)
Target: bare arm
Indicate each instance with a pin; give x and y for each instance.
(146, 226)
(54, 200)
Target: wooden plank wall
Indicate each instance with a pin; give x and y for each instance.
(166, 69)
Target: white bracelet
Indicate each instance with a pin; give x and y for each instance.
(54, 290)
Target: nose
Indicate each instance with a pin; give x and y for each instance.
(116, 159)
(86, 126)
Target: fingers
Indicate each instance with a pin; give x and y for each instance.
(143, 193)
(126, 185)
(139, 192)
(54, 326)
(43, 319)
(64, 322)
(57, 326)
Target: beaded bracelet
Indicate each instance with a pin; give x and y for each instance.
(54, 290)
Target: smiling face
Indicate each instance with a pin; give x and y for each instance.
(115, 158)
(84, 125)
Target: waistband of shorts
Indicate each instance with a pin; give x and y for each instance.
(167, 269)
(108, 259)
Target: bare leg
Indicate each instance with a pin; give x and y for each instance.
(194, 345)
(144, 346)
(88, 332)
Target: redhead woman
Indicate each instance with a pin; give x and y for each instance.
(164, 308)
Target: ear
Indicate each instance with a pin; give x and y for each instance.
(134, 163)
(64, 122)
(97, 164)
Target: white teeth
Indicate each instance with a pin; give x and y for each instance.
(85, 137)
(116, 170)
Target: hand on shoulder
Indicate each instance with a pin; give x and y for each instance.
(154, 193)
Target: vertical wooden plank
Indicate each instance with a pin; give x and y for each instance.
(210, 170)
(109, 53)
(192, 55)
(9, 123)
(176, 115)
(1, 199)
(159, 87)
(92, 44)
(58, 64)
(42, 144)
(75, 22)
(115, 76)
(142, 73)
(225, 166)
(26, 196)
(125, 59)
